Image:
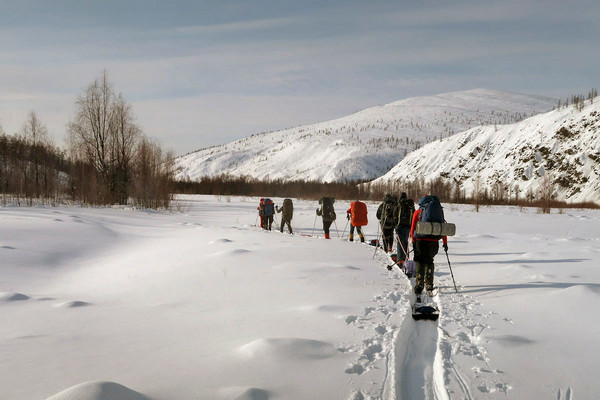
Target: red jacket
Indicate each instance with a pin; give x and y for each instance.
(416, 217)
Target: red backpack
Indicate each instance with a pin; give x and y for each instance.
(359, 213)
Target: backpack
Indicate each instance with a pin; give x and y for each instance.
(431, 211)
(288, 209)
(406, 211)
(328, 212)
(358, 209)
(269, 208)
(389, 213)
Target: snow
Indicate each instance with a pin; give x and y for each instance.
(517, 156)
(113, 303)
(361, 146)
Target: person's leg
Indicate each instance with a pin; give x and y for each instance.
(432, 250)
(282, 224)
(326, 226)
(419, 266)
(403, 233)
(360, 234)
(351, 237)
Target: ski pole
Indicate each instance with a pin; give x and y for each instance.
(451, 273)
(336, 229)
(376, 240)
(344, 233)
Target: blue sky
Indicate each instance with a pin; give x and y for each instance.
(200, 73)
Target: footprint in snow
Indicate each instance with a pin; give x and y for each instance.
(10, 296)
(73, 304)
(239, 252)
(99, 391)
(295, 348)
(8, 247)
(253, 394)
(224, 240)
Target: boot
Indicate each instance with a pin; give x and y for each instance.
(327, 236)
(351, 238)
(362, 238)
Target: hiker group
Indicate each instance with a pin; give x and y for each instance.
(398, 218)
(266, 212)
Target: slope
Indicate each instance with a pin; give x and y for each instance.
(557, 153)
(361, 146)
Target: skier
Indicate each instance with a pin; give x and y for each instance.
(357, 215)
(269, 211)
(327, 212)
(288, 213)
(426, 247)
(261, 212)
(387, 213)
(405, 213)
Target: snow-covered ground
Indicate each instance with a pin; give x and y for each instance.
(202, 304)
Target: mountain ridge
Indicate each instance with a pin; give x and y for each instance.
(361, 146)
(557, 152)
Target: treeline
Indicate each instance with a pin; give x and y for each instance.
(225, 185)
(30, 166)
(108, 159)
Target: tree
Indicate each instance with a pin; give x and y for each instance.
(104, 133)
(36, 137)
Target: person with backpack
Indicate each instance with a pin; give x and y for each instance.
(269, 211)
(426, 246)
(327, 212)
(261, 212)
(288, 213)
(405, 214)
(357, 215)
(387, 214)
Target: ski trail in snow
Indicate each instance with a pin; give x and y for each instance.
(418, 370)
(415, 367)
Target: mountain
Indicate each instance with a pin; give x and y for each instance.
(361, 146)
(558, 151)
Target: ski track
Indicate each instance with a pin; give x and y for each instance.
(461, 324)
(427, 359)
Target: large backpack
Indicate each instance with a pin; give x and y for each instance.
(431, 211)
(288, 209)
(406, 211)
(389, 213)
(358, 209)
(328, 212)
(269, 208)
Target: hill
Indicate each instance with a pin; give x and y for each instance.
(557, 152)
(361, 146)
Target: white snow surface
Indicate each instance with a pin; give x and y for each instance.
(561, 145)
(113, 303)
(361, 146)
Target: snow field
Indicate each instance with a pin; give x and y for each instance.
(195, 305)
(203, 304)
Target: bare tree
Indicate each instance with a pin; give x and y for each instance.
(104, 132)
(36, 136)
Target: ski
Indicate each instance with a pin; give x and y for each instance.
(424, 308)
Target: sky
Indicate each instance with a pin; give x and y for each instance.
(202, 73)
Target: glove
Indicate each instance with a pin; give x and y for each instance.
(348, 217)
(445, 247)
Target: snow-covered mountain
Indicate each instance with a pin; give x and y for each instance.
(361, 146)
(559, 150)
